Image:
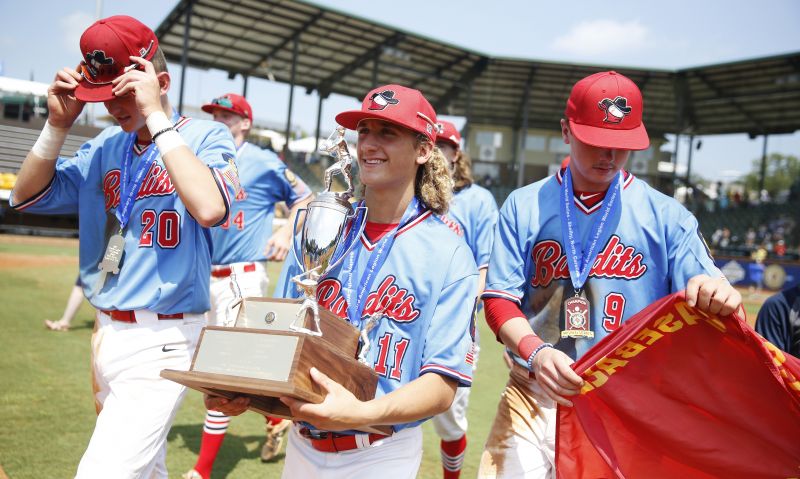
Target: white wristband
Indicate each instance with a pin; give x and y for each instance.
(157, 121)
(50, 141)
(168, 141)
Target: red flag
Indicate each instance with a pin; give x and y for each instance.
(677, 393)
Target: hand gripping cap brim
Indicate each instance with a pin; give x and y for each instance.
(108, 45)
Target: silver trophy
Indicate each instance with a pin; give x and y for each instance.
(323, 231)
(274, 343)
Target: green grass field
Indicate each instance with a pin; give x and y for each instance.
(46, 402)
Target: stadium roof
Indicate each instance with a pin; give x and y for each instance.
(339, 53)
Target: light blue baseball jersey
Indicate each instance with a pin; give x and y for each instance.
(472, 215)
(265, 180)
(655, 248)
(166, 263)
(427, 304)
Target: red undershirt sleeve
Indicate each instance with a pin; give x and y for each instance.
(498, 311)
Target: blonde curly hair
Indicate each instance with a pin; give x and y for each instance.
(462, 171)
(433, 185)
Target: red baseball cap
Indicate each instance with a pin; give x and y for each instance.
(106, 47)
(396, 104)
(230, 102)
(448, 132)
(605, 110)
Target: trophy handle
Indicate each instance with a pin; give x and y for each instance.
(294, 236)
(356, 238)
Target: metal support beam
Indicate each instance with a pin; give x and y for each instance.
(245, 78)
(319, 119)
(292, 38)
(689, 163)
(295, 51)
(452, 94)
(685, 118)
(185, 53)
(763, 173)
(675, 162)
(468, 115)
(376, 62)
(523, 135)
(359, 61)
(440, 70)
(719, 93)
(523, 106)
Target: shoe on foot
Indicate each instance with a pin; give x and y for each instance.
(60, 325)
(192, 474)
(274, 440)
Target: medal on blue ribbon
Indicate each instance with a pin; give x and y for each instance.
(128, 189)
(579, 260)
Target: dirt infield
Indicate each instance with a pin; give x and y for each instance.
(21, 261)
(18, 260)
(24, 239)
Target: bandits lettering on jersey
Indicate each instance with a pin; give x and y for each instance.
(615, 261)
(156, 183)
(395, 302)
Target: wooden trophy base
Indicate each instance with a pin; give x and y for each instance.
(268, 360)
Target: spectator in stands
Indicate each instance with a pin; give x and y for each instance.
(716, 237)
(779, 320)
(750, 238)
(726, 238)
(780, 248)
(737, 199)
(756, 268)
(722, 197)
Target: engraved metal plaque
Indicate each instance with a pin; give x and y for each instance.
(244, 354)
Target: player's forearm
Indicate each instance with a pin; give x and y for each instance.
(34, 175)
(40, 165)
(194, 182)
(426, 396)
(512, 332)
(481, 280)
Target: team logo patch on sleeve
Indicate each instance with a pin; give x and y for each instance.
(231, 173)
(290, 177)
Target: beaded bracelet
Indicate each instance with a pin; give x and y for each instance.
(160, 132)
(536, 351)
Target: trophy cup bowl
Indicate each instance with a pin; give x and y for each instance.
(267, 354)
(326, 219)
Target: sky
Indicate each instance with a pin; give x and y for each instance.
(38, 37)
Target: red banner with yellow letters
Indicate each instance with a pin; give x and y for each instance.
(677, 393)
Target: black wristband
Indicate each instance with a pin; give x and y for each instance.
(161, 132)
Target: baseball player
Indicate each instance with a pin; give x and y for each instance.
(70, 310)
(146, 193)
(574, 256)
(472, 215)
(421, 342)
(242, 245)
(779, 320)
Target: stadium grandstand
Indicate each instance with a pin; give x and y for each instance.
(510, 138)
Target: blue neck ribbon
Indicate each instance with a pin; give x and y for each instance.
(580, 261)
(355, 309)
(129, 188)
